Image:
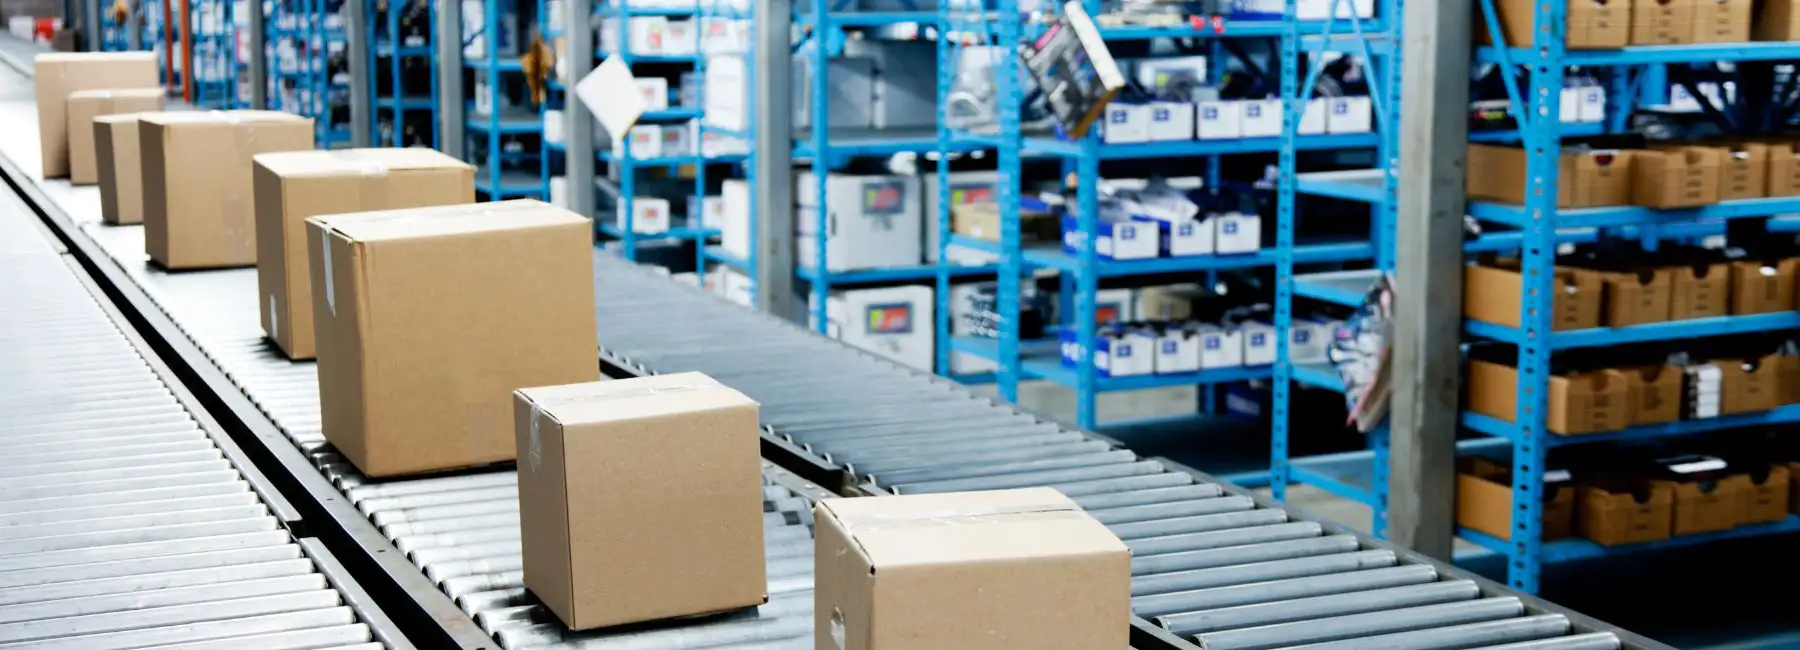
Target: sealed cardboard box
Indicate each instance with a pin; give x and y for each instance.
(968, 571)
(1708, 506)
(1484, 500)
(55, 75)
(1590, 24)
(120, 168)
(1584, 179)
(199, 203)
(1721, 21)
(1677, 177)
(1784, 170)
(1699, 291)
(1763, 287)
(1661, 22)
(1787, 382)
(1582, 402)
(1655, 393)
(1744, 167)
(428, 318)
(1777, 20)
(1766, 494)
(85, 105)
(605, 540)
(1793, 469)
(291, 186)
(1625, 512)
(1492, 293)
(1749, 385)
(1637, 297)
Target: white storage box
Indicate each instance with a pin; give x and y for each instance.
(1259, 118)
(1312, 119)
(649, 215)
(1177, 350)
(1114, 239)
(871, 222)
(965, 187)
(1218, 120)
(1126, 124)
(1259, 343)
(1349, 115)
(1236, 232)
(734, 234)
(892, 322)
(1220, 348)
(1171, 121)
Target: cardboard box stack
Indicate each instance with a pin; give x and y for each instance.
(968, 571)
(1612, 24)
(474, 302)
(289, 187)
(85, 105)
(1663, 176)
(605, 540)
(55, 75)
(199, 207)
(1675, 284)
(119, 168)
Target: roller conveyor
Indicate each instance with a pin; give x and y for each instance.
(1214, 566)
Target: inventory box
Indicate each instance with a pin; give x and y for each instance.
(1492, 293)
(1484, 499)
(1749, 385)
(1759, 287)
(1784, 170)
(56, 74)
(85, 105)
(1622, 511)
(1721, 21)
(1637, 297)
(870, 222)
(199, 198)
(1766, 493)
(1590, 24)
(1743, 169)
(896, 323)
(1777, 20)
(1579, 402)
(1584, 178)
(1707, 499)
(120, 168)
(1699, 291)
(1662, 22)
(1654, 393)
(1676, 177)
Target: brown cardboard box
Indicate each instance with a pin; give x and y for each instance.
(1655, 393)
(1493, 294)
(1758, 288)
(1677, 177)
(1749, 385)
(1661, 22)
(1625, 512)
(291, 186)
(55, 75)
(1634, 298)
(1484, 501)
(1767, 500)
(1784, 170)
(1721, 21)
(606, 540)
(1585, 402)
(120, 167)
(1777, 20)
(982, 221)
(474, 302)
(968, 571)
(1699, 291)
(1708, 506)
(83, 106)
(1787, 383)
(1744, 167)
(1584, 179)
(1793, 468)
(1591, 24)
(199, 208)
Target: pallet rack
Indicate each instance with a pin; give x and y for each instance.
(501, 174)
(208, 70)
(302, 80)
(390, 54)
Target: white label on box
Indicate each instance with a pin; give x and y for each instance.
(1217, 120)
(1126, 123)
(1177, 352)
(1593, 103)
(1259, 344)
(1171, 121)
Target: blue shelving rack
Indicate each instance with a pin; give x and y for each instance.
(301, 80)
(709, 130)
(211, 67)
(389, 55)
(503, 174)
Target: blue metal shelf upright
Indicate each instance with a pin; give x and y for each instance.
(390, 53)
(506, 170)
(211, 65)
(300, 38)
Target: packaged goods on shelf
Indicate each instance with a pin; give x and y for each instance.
(1218, 120)
(1115, 306)
(850, 93)
(1116, 237)
(1484, 499)
(1662, 22)
(1708, 495)
(1076, 94)
(892, 322)
(1614, 511)
(675, 142)
(1638, 296)
(1354, 114)
(972, 314)
(1175, 76)
(1221, 347)
(1120, 350)
(649, 215)
(559, 191)
(1743, 171)
(1126, 123)
(728, 283)
(1655, 393)
(1309, 339)
(968, 187)
(1676, 177)
(734, 234)
(727, 98)
(1699, 290)
(1312, 117)
(655, 91)
(1585, 177)
(1259, 343)
(1763, 286)
(874, 221)
(1170, 121)
(1749, 385)
(1721, 21)
(649, 35)
(904, 92)
(1766, 492)
(680, 38)
(1178, 349)
(1259, 118)
(711, 210)
(476, 34)
(1492, 292)
(1579, 402)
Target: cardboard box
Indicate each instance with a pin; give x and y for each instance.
(1766, 495)
(1583, 402)
(1634, 298)
(1777, 20)
(1590, 24)
(1784, 170)
(199, 203)
(475, 301)
(1625, 512)
(1654, 393)
(120, 168)
(982, 221)
(1743, 169)
(1584, 179)
(1761, 288)
(1793, 468)
(1661, 22)
(968, 571)
(83, 106)
(1484, 501)
(1677, 177)
(1708, 506)
(1787, 371)
(605, 541)
(1494, 293)
(1721, 21)
(55, 75)
(1699, 291)
(1749, 385)
(292, 186)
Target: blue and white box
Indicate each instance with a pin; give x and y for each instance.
(1259, 118)
(1217, 120)
(1312, 119)
(1171, 121)
(1236, 232)
(1115, 238)
(1349, 115)
(1259, 343)
(1118, 352)
(1308, 340)
(1126, 123)
(1165, 73)
(1220, 348)
(1177, 350)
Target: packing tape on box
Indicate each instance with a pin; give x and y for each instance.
(533, 443)
(330, 287)
(534, 446)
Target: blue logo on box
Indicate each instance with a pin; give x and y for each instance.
(1126, 233)
(1302, 336)
(1210, 113)
(1229, 227)
(1119, 116)
(1259, 340)
(1186, 229)
(1340, 107)
(1212, 342)
(1122, 350)
(1169, 347)
(1162, 115)
(1253, 110)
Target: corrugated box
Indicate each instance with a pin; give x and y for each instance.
(1707, 506)
(199, 203)
(1699, 291)
(1677, 177)
(1787, 369)
(606, 539)
(55, 75)
(1654, 393)
(968, 571)
(1484, 501)
(1590, 24)
(1784, 169)
(982, 221)
(1582, 402)
(1584, 179)
(1625, 512)
(1721, 21)
(1637, 297)
(1743, 168)
(474, 302)
(120, 168)
(1661, 22)
(1777, 20)
(291, 186)
(85, 105)
(1766, 494)
(1761, 288)
(1749, 385)
(1493, 293)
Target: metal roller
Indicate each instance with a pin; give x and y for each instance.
(1245, 554)
(1223, 538)
(1202, 523)
(1361, 625)
(1459, 636)
(1590, 641)
(1260, 572)
(1202, 600)
(1199, 621)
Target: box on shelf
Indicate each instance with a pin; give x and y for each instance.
(1353, 114)
(981, 220)
(1178, 351)
(649, 215)
(1164, 74)
(1583, 102)
(1743, 169)
(85, 105)
(1766, 493)
(965, 188)
(1312, 117)
(905, 81)
(1126, 123)
(1662, 22)
(1654, 393)
(1721, 21)
(891, 322)
(1124, 352)
(604, 543)
(1787, 381)
(1676, 177)
(1749, 385)
(1115, 306)
(1171, 121)
(1259, 118)
(1026, 568)
(1218, 120)
(1484, 499)
(734, 235)
(1784, 170)
(1580, 402)
(849, 96)
(962, 308)
(870, 221)
(120, 166)
(291, 187)
(675, 142)
(1492, 293)
(1699, 291)
(1236, 232)
(1114, 239)
(1220, 347)
(1321, 9)
(1184, 237)
(1705, 505)
(1777, 20)
(199, 198)
(1309, 340)
(1589, 24)
(475, 301)
(1762, 288)
(1259, 343)
(1637, 297)
(1584, 179)
(1614, 512)
(645, 141)
(55, 75)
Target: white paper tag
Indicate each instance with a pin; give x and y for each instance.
(1556, 476)
(534, 445)
(837, 628)
(274, 325)
(330, 288)
(1697, 466)
(611, 94)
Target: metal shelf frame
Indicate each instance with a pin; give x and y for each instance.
(388, 50)
(500, 175)
(305, 26)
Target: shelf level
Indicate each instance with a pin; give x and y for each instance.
(1574, 548)
(678, 230)
(1347, 288)
(719, 255)
(1502, 429)
(1633, 215)
(1041, 360)
(1057, 258)
(1689, 328)
(1050, 146)
(899, 274)
(1318, 375)
(1645, 54)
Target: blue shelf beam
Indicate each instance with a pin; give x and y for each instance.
(1674, 330)
(1632, 215)
(1510, 431)
(1641, 54)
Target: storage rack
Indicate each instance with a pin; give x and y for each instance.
(502, 174)
(302, 79)
(1080, 273)
(208, 71)
(389, 56)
